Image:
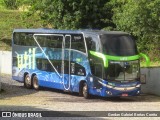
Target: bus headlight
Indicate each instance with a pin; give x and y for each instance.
(109, 92)
(139, 85)
(138, 92)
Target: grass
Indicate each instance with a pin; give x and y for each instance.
(10, 20)
(152, 64)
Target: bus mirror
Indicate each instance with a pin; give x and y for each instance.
(146, 58)
(143, 79)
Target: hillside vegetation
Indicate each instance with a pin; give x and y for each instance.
(10, 20)
(141, 19)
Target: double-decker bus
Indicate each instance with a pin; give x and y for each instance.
(90, 62)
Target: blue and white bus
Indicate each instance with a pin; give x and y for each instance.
(103, 63)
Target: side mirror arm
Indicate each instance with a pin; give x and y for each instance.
(146, 58)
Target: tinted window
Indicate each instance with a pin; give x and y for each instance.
(121, 71)
(77, 42)
(49, 41)
(118, 45)
(14, 63)
(44, 65)
(96, 65)
(24, 39)
(77, 69)
(91, 45)
(67, 42)
(98, 70)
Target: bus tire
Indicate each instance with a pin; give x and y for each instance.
(35, 82)
(85, 91)
(81, 88)
(27, 81)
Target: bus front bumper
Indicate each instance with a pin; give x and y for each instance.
(116, 91)
(124, 92)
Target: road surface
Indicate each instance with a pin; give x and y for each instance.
(16, 97)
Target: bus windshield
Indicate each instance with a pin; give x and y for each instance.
(123, 71)
(118, 45)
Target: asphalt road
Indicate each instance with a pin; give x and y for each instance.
(16, 97)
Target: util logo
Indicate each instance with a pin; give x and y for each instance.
(26, 60)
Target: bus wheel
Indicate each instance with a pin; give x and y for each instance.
(35, 82)
(85, 91)
(27, 82)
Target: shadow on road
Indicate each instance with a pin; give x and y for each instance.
(74, 97)
(15, 89)
(10, 90)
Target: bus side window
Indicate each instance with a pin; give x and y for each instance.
(96, 65)
(15, 61)
(91, 45)
(67, 42)
(16, 38)
(23, 39)
(39, 63)
(55, 42)
(28, 40)
(98, 70)
(77, 42)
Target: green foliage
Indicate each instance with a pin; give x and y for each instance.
(10, 20)
(11, 4)
(14, 4)
(1, 4)
(72, 14)
(141, 18)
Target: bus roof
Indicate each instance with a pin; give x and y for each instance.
(46, 30)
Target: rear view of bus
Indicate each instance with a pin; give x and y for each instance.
(115, 65)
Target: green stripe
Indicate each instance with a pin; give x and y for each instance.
(100, 55)
(123, 58)
(146, 57)
(117, 58)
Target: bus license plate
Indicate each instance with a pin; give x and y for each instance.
(124, 95)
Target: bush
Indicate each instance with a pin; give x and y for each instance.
(11, 19)
(11, 4)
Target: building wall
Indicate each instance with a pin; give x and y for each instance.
(152, 85)
(5, 62)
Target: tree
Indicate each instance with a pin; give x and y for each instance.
(140, 18)
(72, 14)
(14, 4)
(11, 4)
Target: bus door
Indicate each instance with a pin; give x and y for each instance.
(67, 62)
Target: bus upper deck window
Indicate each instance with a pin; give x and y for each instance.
(90, 44)
(77, 42)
